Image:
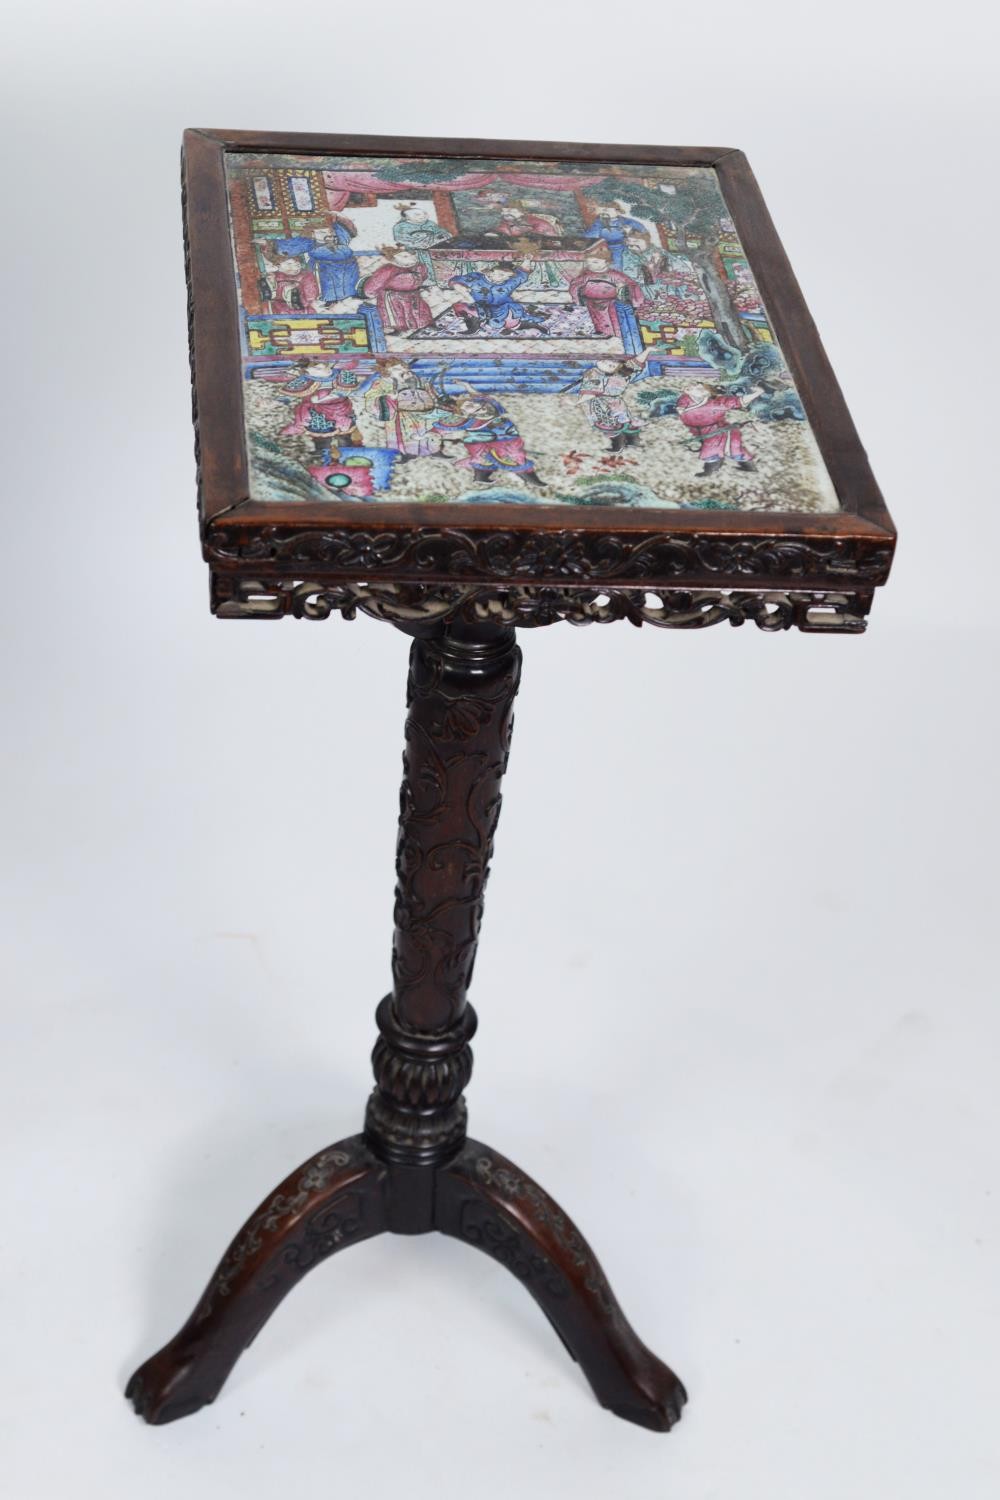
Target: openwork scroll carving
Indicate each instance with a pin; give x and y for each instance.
(414, 605)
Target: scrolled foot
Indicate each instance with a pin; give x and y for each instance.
(486, 1201)
(333, 1200)
(660, 1399)
(170, 1385)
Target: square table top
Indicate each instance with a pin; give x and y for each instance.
(577, 381)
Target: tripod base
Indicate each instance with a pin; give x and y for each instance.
(347, 1194)
(413, 1169)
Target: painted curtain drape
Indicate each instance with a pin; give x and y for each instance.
(340, 185)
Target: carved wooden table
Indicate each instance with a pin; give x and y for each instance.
(461, 445)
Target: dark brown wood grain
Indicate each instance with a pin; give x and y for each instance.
(236, 529)
(459, 582)
(333, 1200)
(414, 1170)
(800, 342)
(486, 1201)
(299, 143)
(213, 323)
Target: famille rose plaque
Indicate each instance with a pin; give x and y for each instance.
(559, 333)
(583, 365)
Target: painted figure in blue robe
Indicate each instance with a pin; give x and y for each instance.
(328, 253)
(487, 438)
(611, 226)
(493, 308)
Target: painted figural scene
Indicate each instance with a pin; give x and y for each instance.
(554, 333)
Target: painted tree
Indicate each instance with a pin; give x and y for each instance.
(429, 170)
(694, 212)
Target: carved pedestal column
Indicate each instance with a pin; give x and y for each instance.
(459, 715)
(414, 1169)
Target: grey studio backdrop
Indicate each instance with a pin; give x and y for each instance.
(777, 853)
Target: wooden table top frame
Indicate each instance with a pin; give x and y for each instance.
(458, 578)
(533, 564)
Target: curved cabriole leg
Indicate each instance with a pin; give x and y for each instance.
(413, 1170)
(486, 1201)
(332, 1201)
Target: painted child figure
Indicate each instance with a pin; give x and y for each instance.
(415, 230)
(493, 309)
(604, 388)
(492, 443)
(292, 286)
(707, 413)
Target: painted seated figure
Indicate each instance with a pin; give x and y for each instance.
(519, 219)
(292, 286)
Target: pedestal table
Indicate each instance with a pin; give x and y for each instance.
(654, 438)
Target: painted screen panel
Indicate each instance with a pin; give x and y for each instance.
(554, 333)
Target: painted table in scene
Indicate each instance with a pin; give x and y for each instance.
(465, 387)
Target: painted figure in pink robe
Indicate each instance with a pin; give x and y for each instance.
(516, 221)
(395, 288)
(492, 444)
(598, 288)
(324, 409)
(706, 413)
(296, 287)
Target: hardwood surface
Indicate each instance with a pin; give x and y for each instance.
(414, 1169)
(283, 545)
(458, 584)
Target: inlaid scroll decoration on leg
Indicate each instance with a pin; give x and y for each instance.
(414, 1170)
(487, 1202)
(334, 1200)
